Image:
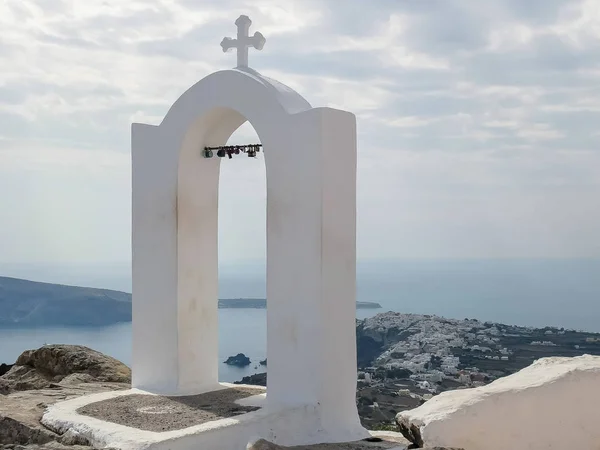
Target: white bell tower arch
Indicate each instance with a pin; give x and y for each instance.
(310, 158)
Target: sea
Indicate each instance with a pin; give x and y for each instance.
(562, 293)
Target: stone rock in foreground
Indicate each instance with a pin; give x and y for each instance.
(410, 431)
(53, 445)
(45, 376)
(21, 412)
(13, 431)
(239, 360)
(551, 404)
(64, 364)
(5, 368)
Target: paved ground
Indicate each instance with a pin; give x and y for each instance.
(387, 441)
(158, 413)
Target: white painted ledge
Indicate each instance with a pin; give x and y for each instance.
(287, 427)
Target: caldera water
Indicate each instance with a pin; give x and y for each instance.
(563, 293)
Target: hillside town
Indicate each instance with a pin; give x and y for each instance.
(406, 359)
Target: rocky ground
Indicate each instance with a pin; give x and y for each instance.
(48, 375)
(53, 445)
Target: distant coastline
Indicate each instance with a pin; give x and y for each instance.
(261, 303)
(31, 304)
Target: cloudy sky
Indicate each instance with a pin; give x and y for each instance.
(478, 121)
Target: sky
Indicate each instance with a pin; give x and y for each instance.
(478, 122)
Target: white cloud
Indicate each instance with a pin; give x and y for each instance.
(510, 37)
(540, 131)
(48, 156)
(407, 121)
(470, 114)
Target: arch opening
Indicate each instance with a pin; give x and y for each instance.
(198, 210)
(242, 259)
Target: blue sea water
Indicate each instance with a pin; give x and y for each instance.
(240, 331)
(563, 293)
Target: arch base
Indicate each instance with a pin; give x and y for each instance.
(223, 434)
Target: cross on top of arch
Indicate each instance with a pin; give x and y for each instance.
(243, 41)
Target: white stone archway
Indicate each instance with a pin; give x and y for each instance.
(310, 158)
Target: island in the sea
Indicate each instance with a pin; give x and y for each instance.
(26, 304)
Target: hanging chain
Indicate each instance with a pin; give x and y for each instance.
(229, 150)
